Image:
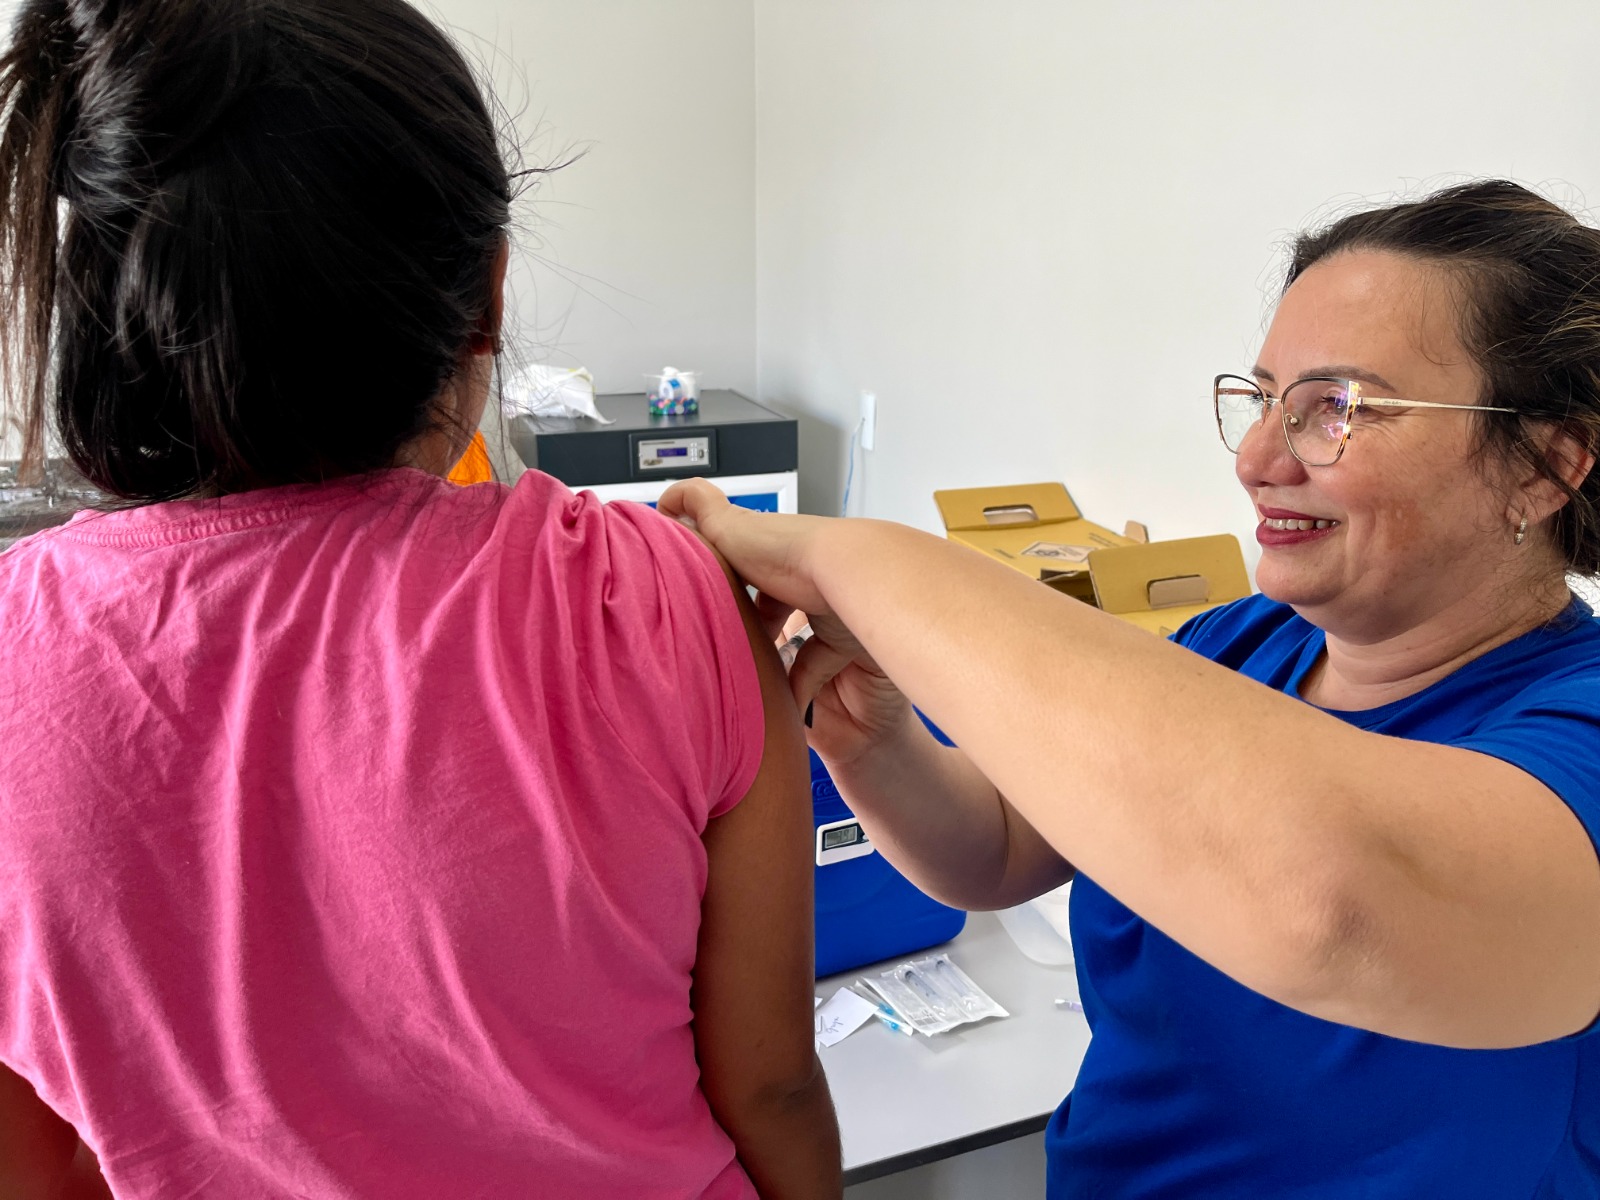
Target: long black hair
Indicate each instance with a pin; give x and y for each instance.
(242, 242)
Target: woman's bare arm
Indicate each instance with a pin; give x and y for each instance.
(927, 809)
(41, 1157)
(1421, 891)
(940, 821)
(754, 972)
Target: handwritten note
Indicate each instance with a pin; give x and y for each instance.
(841, 1016)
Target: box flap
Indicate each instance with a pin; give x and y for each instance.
(1018, 506)
(1040, 550)
(1163, 577)
(1035, 528)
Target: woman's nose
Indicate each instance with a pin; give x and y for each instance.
(1264, 456)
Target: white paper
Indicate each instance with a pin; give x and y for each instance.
(842, 1016)
(540, 390)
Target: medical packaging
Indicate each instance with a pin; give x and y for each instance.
(933, 995)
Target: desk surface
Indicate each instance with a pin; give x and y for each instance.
(906, 1101)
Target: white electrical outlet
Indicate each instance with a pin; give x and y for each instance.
(869, 419)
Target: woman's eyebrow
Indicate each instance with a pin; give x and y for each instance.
(1335, 371)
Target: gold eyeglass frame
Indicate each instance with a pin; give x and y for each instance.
(1358, 401)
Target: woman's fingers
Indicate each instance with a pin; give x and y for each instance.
(769, 550)
(693, 500)
(817, 663)
(798, 623)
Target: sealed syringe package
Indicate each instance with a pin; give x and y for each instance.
(912, 1005)
(934, 995)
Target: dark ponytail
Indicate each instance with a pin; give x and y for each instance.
(242, 242)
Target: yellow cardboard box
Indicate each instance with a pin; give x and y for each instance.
(1036, 528)
(1032, 527)
(1161, 585)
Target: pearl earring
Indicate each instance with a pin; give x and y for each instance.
(1522, 532)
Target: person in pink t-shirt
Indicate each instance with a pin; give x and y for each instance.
(360, 835)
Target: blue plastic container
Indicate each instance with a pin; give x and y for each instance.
(866, 910)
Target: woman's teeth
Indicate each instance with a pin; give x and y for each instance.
(1282, 523)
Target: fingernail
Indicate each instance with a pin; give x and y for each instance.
(810, 708)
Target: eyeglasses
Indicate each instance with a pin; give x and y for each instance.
(1317, 414)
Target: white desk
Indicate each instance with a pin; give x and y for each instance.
(903, 1102)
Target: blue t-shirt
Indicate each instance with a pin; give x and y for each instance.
(1195, 1086)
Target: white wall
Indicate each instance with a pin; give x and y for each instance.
(1036, 229)
(642, 253)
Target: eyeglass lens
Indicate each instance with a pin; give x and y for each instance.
(1315, 415)
(1239, 406)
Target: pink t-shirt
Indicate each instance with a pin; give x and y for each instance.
(350, 840)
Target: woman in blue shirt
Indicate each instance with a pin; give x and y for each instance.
(1338, 903)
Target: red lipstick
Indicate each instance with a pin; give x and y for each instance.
(1283, 527)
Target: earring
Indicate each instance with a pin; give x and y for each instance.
(1522, 532)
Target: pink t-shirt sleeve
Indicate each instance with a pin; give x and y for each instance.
(663, 648)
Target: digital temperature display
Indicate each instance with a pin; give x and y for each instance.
(675, 455)
(845, 835)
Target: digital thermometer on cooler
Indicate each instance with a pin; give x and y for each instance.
(840, 841)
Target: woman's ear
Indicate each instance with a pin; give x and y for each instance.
(486, 338)
(1570, 457)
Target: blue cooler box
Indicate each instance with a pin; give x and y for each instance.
(866, 910)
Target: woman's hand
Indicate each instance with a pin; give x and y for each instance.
(772, 551)
(928, 809)
(853, 703)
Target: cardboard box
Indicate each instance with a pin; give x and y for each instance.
(1032, 527)
(1037, 529)
(1161, 585)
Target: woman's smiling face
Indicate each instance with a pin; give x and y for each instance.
(1407, 520)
